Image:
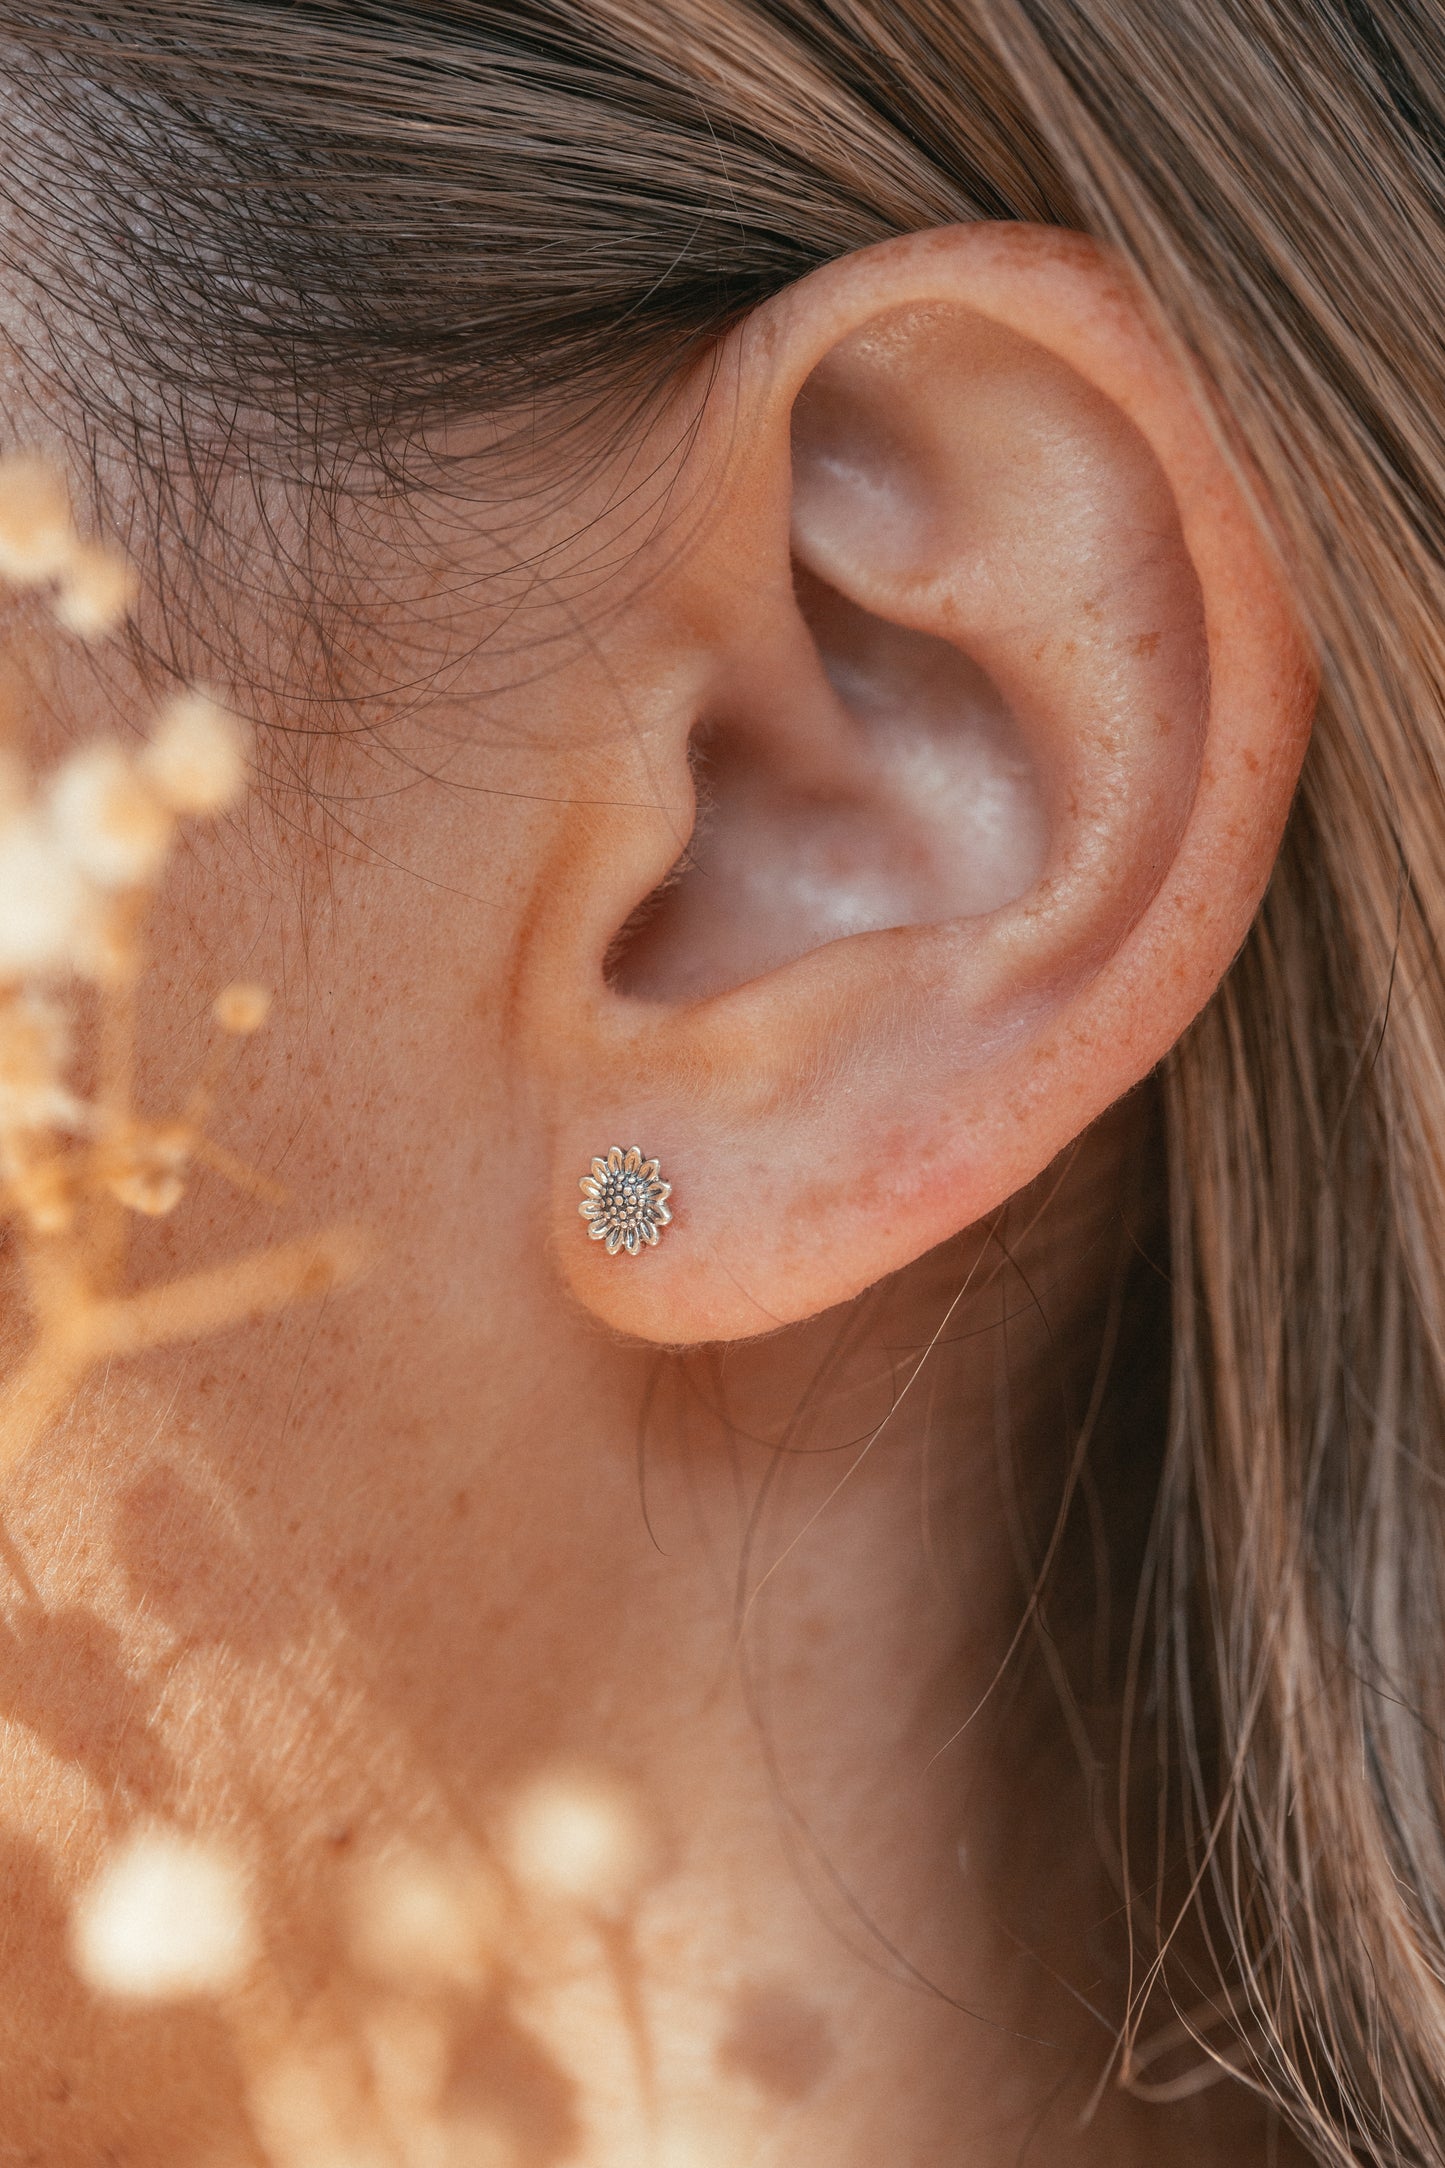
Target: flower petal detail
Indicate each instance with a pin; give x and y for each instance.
(624, 1200)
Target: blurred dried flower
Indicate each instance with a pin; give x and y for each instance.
(196, 759)
(307, 2106)
(37, 539)
(423, 1920)
(110, 826)
(168, 1918)
(579, 1836)
(40, 1190)
(48, 911)
(35, 1049)
(242, 1008)
(97, 590)
(81, 853)
(144, 1168)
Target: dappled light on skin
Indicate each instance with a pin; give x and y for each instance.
(502, 1759)
(434, 2050)
(579, 1839)
(169, 1917)
(473, 1983)
(423, 1922)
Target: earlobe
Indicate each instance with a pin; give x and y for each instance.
(1001, 711)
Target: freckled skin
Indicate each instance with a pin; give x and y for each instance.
(511, 1505)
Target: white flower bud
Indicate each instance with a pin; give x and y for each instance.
(37, 537)
(110, 824)
(145, 1168)
(97, 590)
(47, 908)
(196, 759)
(166, 1919)
(35, 1049)
(242, 1008)
(421, 1921)
(579, 1837)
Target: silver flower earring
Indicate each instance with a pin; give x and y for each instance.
(625, 1201)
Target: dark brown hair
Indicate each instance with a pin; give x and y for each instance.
(330, 222)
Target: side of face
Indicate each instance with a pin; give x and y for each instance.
(844, 787)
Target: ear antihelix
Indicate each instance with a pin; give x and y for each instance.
(992, 589)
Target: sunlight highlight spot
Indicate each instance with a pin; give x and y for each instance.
(167, 1918)
(422, 1921)
(580, 1837)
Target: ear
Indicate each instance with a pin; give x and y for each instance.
(987, 685)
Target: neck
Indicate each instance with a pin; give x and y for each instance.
(864, 1918)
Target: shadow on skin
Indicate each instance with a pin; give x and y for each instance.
(183, 1563)
(503, 2073)
(66, 2058)
(779, 2041)
(63, 1676)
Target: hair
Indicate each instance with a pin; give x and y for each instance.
(353, 218)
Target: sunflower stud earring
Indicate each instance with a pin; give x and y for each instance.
(625, 1200)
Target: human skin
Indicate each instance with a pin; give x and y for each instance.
(510, 1505)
